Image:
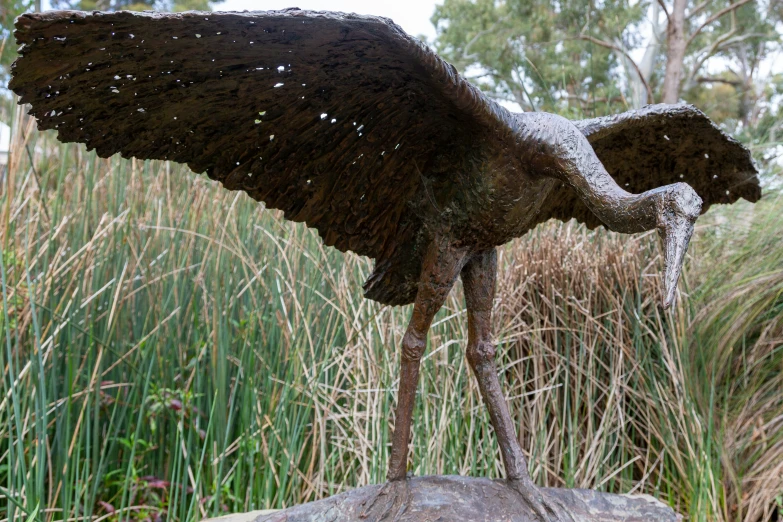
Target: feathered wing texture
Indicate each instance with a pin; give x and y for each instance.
(332, 118)
(338, 120)
(658, 145)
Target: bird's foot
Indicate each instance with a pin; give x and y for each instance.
(389, 502)
(546, 508)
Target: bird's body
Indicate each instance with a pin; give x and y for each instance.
(346, 123)
(491, 190)
(497, 187)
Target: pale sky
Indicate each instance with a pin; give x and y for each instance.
(411, 15)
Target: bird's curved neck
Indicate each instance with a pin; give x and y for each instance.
(631, 213)
(618, 209)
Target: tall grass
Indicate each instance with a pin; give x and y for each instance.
(171, 350)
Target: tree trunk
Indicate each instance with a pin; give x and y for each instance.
(675, 52)
(469, 499)
(639, 77)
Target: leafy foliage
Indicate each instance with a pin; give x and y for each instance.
(577, 57)
(533, 53)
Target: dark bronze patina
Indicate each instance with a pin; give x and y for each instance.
(349, 125)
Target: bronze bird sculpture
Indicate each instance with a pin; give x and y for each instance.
(353, 127)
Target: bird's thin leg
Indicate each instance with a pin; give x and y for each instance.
(440, 268)
(478, 277)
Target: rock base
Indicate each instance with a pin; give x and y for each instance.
(465, 499)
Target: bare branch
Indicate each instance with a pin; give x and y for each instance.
(665, 11)
(724, 42)
(732, 7)
(466, 52)
(613, 47)
(587, 102)
(521, 84)
(513, 85)
(698, 9)
(704, 79)
(709, 52)
(742, 37)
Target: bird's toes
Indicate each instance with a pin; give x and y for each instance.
(388, 503)
(545, 507)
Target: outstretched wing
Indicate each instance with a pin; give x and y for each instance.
(658, 145)
(333, 118)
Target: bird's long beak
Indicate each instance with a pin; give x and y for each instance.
(676, 235)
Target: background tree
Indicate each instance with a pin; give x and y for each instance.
(532, 52)
(740, 33)
(550, 55)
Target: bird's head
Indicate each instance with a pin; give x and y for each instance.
(677, 210)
